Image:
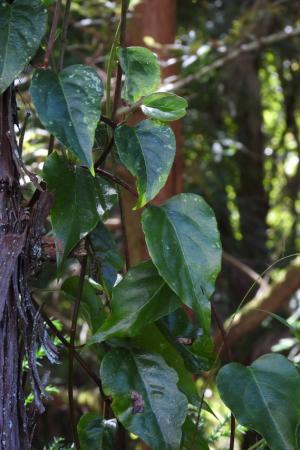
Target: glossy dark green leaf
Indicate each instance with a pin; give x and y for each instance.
(152, 340)
(105, 247)
(164, 106)
(22, 26)
(148, 152)
(184, 244)
(142, 297)
(192, 437)
(198, 355)
(80, 201)
(264, 397)
(142, 72)
(145, 396)
(91, 307)
(96, 433)
(68, 105)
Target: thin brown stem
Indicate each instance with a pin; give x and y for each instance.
(118, 181)
(52, 33)
(71, 352)
(64, 34)
(105, 154)
(66, 344)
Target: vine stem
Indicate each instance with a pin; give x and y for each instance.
(52, 33)
(64, 34)
(256, 445)
(71, 352)
(229, 355)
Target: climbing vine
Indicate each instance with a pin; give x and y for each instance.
(149, 325)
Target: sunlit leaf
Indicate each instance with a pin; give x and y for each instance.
(68, 105)
(184, 244)
(142, 72)
(148, 152)
(96, 433)
(164, 106)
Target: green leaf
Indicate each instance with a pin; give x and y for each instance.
(192, 437)
(148, 152)
(105, 247)
(68, 105)
(142, 297)
(142, 72)
(198, 357)
(145, 396)
(264, 397)
(80, 201)
(22, 26)
(152, 340)
(96, 433)
(91, 307)
(164, 106)
(184, 244)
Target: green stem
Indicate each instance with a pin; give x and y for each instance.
(256, 445)
(110, 68)
(64, 34)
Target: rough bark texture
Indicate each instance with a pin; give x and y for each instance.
(21, 328)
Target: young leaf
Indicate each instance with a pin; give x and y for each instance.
(148, 152)
(80, 200)
(164, 106)
(140, 298)
(264, 397)
(96, 433)
(68, 105)
(184, 244)
(146, 399)
(22, 26)
(142, 72)
(91, 308)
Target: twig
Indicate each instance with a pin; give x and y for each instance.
(64, 34)
(246, 269)
(233, 54)
(66, 344)
(105, 154)
(118, 181)
(71, 352)
(52, 33)
(108, 121)
(257, 444)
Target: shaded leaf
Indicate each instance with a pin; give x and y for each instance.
(142, 297)
(22, 26)
(152, 340)
(91, 307)
(192, 437)
(68, 105)
(142, 72)
(126, 373)
(96, 433)
(164, 106)
(80, 201)
(264, 397)
(184, 244)
(148, 152)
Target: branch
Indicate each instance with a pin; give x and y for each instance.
(118, 181)
(246, 269)
(52, 33)
(233, 54)
(254, 312)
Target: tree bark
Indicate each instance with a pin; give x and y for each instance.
(157, 19)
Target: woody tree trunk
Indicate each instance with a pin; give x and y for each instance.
(155, 19)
